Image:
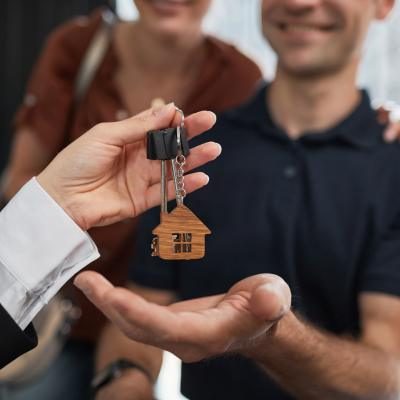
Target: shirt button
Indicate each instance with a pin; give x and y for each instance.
(121, 114)
(290, 172)
(30, 100)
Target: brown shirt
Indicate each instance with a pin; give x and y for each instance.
(227, 78)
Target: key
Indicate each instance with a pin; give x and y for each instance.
(180, 234)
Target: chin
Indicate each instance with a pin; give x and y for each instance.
(307, 69)
(308, 63)
(169, 29)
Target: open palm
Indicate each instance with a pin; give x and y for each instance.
(199, 328)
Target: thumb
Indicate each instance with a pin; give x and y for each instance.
(271, 301)
(135, 128)
(94, 286)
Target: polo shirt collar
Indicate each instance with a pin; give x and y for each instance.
(359, 128)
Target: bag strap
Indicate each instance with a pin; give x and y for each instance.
(94, 55)
(88, 68)
(90, 64)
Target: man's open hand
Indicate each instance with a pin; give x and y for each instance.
(198, 328)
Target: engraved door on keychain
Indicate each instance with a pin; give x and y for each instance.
(181, 234)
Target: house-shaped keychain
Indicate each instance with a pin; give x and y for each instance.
(180, 235)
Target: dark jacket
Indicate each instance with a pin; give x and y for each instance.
(13, 340)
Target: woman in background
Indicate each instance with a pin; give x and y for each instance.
(163, 55)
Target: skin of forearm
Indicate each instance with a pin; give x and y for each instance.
(312, 364)
(114, 345)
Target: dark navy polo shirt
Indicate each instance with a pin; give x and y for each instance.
(322, 211)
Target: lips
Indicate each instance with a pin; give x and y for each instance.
(297, 27)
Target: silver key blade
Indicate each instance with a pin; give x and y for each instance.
(164, 187)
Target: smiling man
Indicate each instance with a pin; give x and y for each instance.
(306, 189)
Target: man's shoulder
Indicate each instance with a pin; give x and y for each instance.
(385, 157)
(377, 164)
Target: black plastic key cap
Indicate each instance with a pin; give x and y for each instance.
(163, 144)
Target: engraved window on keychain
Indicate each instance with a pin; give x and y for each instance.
(181, 234)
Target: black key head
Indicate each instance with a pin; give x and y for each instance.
(163, 144)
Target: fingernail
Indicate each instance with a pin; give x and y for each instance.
(219, 148)
(271, 287)
(207, 179)
(163, 110)
(81, 284)
(277, 290)
(214, 116)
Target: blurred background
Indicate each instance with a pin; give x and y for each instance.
(241, 25)
(28, 22)
(24, 24)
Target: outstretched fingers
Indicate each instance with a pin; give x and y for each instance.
(193, 182)
(135, 128)
(199, 156)
(199, 123)
(137, 318)
(198, 328)
(202, 154)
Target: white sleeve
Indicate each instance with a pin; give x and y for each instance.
(41, 248)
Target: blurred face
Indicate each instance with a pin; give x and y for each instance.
(173, 17)
(313, 37)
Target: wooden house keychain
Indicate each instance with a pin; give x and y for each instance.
(180, 234)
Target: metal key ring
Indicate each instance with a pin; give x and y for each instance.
(181, 126)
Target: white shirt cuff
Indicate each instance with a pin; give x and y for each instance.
(41, 248)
